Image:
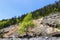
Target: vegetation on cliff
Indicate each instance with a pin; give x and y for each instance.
(27, 22)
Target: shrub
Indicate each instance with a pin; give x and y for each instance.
(27, 22)
(58, 26)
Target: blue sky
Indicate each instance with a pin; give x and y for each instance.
(11, 8)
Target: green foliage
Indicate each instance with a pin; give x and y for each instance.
(3, 24)
(27, 22)
(6, 23)
(28, 18)
(1, 35)
(46, 10)
(58, 26)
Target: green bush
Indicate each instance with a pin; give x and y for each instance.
(27, 22)
(58, 26)
(28, 18)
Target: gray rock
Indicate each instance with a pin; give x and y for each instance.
(52, 19)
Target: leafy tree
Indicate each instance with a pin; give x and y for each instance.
(27, 22)
(28, 18)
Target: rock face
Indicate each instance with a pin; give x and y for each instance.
(46, 26)
(52, 19)
(11, 31)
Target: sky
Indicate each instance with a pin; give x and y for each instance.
(11, 8)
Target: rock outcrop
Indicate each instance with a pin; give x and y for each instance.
(46, 25)
(52, 19)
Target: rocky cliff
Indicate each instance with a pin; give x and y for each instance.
(45, 26)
